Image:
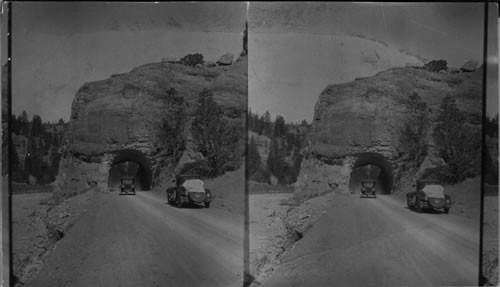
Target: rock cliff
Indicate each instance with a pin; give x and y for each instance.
(358, 123)
(119, 119)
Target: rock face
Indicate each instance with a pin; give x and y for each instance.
(226, 59)
(358, 123)
(263, 145)
(118, 119)
(469, 66)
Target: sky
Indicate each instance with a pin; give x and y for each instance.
(297, 49)
(58, 46)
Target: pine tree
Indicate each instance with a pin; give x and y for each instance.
(414, 134)
(254, 160)
(215, 136)
(459, 144)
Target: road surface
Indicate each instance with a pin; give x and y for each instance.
(379, 242)
(142, 241)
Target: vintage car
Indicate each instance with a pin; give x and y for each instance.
(127, 185)
(368, 188)
(429, 195)
(189, 189)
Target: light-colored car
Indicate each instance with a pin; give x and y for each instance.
(429, 195)
(189, 190)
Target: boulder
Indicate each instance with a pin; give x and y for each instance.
(226, 59)
(469, 66)
(169, 60)
(210, 64)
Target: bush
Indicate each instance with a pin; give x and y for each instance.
(192, 59)
(436, 66)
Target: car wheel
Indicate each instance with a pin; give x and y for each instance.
(418, 206)
(207, 204)
(178, 202)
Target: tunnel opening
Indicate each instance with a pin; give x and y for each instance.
(130, 163)
(371, 166)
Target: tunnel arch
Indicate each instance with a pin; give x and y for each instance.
(372, 165)
(142, 171)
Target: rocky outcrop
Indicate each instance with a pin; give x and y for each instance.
(469, 66)
(226, 59)
(120, 118)
(263, 145)
(359, 123)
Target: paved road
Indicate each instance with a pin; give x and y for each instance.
(379, 242)
(141, 241)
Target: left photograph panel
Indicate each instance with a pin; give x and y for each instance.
(127, 144)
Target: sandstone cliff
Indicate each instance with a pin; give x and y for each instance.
(359, 122)
(119, 119)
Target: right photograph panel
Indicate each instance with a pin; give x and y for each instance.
(365, 143)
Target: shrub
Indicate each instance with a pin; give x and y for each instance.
(192, 59)
(436, 65)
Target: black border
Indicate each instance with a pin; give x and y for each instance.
(9, 140)
(481, 278)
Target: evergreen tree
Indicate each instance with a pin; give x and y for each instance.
(279, 127)
(172, 129)
(254, 160)
(414, 134)
(215, 136)
(267, 128)
(459, 144)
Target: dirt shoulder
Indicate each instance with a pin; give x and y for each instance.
(276, 223)
(490, 239)
(37, 225)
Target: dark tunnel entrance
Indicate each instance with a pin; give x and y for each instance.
(130, 163)
(374, 166)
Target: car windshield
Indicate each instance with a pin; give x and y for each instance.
(368, 183)
(127, 181)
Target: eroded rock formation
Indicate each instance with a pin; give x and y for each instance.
(359, 123)
(119, 119)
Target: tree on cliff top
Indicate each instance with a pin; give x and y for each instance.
(436, 65)
(215, 136)
(192, 59)
(459, 144)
